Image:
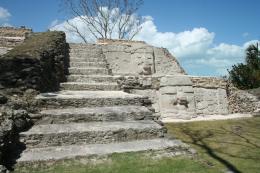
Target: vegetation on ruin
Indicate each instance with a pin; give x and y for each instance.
(221, 146)
(247, 76)
(36, 44)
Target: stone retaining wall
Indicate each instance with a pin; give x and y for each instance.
(11, 37)
(142, 68)
(210, 95)
(39, 63)
(204, 95)
(208, 82)
(243, 101)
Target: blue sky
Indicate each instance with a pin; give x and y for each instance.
(220, 29)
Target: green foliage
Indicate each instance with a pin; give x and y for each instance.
(247, 76)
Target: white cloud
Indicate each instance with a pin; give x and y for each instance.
(194, 48)
(4, 14)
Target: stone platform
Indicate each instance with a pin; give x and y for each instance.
(90, 116)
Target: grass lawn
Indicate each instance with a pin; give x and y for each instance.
(221, 145)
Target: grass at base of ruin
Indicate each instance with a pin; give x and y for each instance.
(221, 146)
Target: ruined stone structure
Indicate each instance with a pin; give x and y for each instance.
(11, 37)
(154, 72)
(113, 99)
(91, 116)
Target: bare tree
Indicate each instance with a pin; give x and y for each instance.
(105, 19)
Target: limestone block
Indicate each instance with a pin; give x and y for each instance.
(211, 101)
(152, 94)
(175, 102)
(180, 80)
(168, 90)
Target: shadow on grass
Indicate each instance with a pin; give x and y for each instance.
(198, 139)
(236, 139)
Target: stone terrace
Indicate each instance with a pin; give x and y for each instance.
(90, 116)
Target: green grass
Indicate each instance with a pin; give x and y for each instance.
(221, 145)
(233, 144)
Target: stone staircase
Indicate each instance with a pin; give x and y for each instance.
(90, 116)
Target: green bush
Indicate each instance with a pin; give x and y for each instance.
(247, 76)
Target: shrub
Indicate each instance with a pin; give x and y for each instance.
(247, 76)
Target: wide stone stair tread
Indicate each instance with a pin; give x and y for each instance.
(77, 59)
(90, 86)
(92, 78)
(114, 113)
(88, 64)
(67, 94)
(83, 46)
(69, 98)
(73, 70)
(90, 126)
(70, 152)
(90, 133)
(98, 51)
(86, 56)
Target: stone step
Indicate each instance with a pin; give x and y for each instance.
(67, 99)
(86, 50)
(93, 60)
(90, 86)
(90, 133)
(88, 71)
(84, 46)
(92, 78)
(79, 115)
(50, 154)
(87, 56)
(88, 64)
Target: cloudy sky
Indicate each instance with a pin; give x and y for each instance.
(206, 36)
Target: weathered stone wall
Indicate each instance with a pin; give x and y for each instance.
(180, 96)
(211, 101)
(154, 72)
(11, 37)
(210, 95)
(176, 97)
(39, 63)
(14, 32)
(243, 101)
(208, 82)
(138, 58)
(4, 50)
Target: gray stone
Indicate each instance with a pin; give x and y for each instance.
(88, 71)
(49, 154)
(93, 78)
(88, 64)
(89, 86)
(178, 80)
(3, 169)
(90, 99)
(115, 113)
(90, 133)
(3, 99)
